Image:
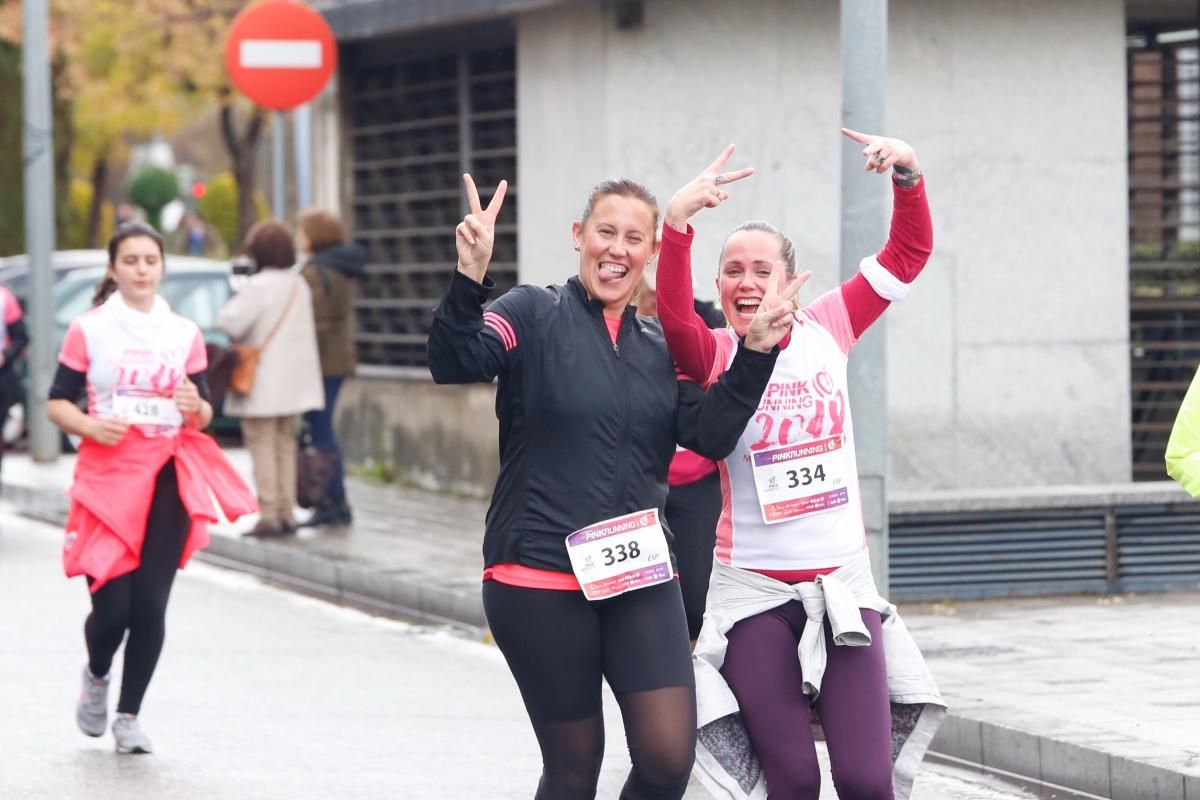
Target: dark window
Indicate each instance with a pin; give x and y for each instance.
(417, 121)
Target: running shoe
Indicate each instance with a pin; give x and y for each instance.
(129, 736)
(92, 711)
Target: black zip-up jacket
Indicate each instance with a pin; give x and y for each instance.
(587, 428)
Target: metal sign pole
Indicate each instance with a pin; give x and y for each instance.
(278, 167)
(39, 223)
(302, 150)
(864, 219)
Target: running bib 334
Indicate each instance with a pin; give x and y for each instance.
(801, 479)
(620, 554)
(144, 407)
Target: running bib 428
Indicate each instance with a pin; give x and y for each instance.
(620, 554)
(801, 479)
(145, 407)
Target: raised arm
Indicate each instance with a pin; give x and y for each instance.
(465, 344)
(886, 276)
(689, 338)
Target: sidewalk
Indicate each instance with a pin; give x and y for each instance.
(1099, 695)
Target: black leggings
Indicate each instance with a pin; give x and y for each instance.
(559, 647)
(692, 512)
(137, 602)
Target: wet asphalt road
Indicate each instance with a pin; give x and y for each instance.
(262, 693)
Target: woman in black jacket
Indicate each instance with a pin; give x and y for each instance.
(579, 583)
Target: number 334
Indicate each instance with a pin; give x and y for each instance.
(804, 476)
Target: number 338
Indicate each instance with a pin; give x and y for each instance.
(620, 552)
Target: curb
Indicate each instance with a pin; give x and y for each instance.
(1057, 764)
(410, 596)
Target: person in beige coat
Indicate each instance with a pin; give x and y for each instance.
(273, 311)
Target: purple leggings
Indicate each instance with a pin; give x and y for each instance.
(763, 671)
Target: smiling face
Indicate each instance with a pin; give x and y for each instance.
(138, 270)
(746, 263)
(615, 242)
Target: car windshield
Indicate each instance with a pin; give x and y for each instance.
(74, 298)
(195, 295)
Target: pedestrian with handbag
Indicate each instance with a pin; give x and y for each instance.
(333, 269)
(278, 377)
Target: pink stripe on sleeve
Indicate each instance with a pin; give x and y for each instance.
(502, 327)
(74, 353)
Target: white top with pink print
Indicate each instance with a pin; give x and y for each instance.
(119, 347)
(806, 401)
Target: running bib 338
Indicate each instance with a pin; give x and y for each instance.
(145, 407)
(620, 554)
(801, 479)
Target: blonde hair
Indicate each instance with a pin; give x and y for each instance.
(786, 249)
(622, 187)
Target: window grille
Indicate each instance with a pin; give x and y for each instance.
(415, 125)
(1164, 236)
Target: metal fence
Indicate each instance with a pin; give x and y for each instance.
(976, 555)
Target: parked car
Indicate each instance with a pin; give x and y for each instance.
(194, 287)
(14, 270)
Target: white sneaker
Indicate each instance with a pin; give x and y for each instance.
(129, 736)
(91, 713)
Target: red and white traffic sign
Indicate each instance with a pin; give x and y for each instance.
(280, 53)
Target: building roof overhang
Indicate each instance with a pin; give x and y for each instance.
(362, 19)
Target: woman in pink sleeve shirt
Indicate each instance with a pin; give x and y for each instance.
(143, 370)
(790, 540)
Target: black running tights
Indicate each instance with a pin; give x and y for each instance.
(560, 647)
(137, 602)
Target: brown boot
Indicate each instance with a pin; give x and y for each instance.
(265, 528)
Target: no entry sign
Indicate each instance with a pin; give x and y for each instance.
(280, 53)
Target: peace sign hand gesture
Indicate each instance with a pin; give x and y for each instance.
(775, 311)
(476, 234)
(706, 190)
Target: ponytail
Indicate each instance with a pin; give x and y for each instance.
(104, 290)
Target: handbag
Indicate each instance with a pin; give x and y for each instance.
(314, 472)
(241, 380)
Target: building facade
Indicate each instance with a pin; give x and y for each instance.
(1009, 364)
